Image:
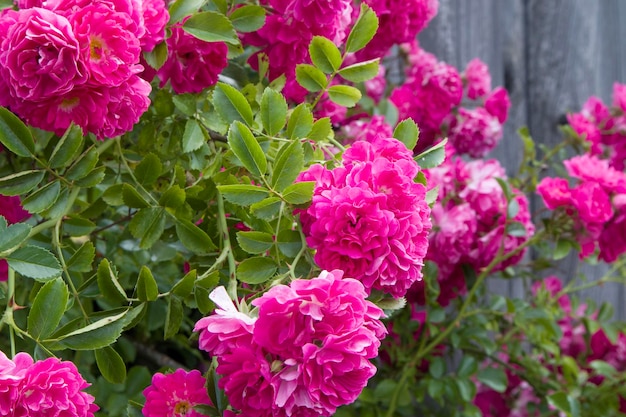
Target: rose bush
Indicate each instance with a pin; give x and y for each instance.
(232, 209)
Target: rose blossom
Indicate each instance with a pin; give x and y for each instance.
(477, 78)
(11, 209)
(155, 17)
(175, 394)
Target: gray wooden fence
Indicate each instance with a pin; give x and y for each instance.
(551, 55)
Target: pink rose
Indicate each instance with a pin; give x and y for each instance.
(497, 104)
(477, 78)
(175, 394)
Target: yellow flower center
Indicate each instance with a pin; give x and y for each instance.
(182, 408)
(97, 47)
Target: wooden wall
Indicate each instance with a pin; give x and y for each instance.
(551, 55)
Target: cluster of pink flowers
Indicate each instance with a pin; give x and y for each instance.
(64, 61)
(11, 209)
(470, 225)
(432, 96)
(288, 31)
(44, 388)
(176, 394)
(369, 217)
(306, 353)
(604, 127)
(596, 204)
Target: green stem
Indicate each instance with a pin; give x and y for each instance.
(232, 277)
(10, 302)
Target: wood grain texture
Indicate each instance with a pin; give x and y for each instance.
(551, 56)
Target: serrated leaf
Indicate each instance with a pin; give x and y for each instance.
(34, 262)
(287, 165)
(494, 378)
(433, 156)
(289, 242)
(47, 309)
(363, 30)
(108, 283)
(184, 287)
(246, 147)
(231, 104)
(85, 163)
(68, 147)
(173, 317)
(193, 136)
(310, 77)
(242, 194)
(101, 333)
(300, 122)
(321, 130)
(111, 365)
(186, 103)
(149, 169)
(407, 132)
(324, 54)
(255, 242)
(194, 238)
(113, 195)
(78, 226)
(147, 225)
(156, 57)
(299, 193)
(211, 27)
(344, 95)
(21, 182)
(174, 197)
(248, 18)
(14, 134)
(13, 235)
(146, 288)
(267, 208)
(132, 198)
(43, 198)
(361, 71)
(82, 259)
(92, 179)
(273, 111)
(182, 8)
(256, 270)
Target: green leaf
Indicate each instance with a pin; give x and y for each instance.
(108, 283)
(147, 225)
(173, 317)
(322, 129)
(186, 103)
(256, 270)
(77, 226)
(603, 368)
(361, 71)
(82, 259)
(156, 57)
(68, 147)
(14, 134)
(344, 95)
(193, 136)
(363, 30)
(43, 198)
(184, 287)
(468, 366)
(494, 378)
(111, 365)
(194, 238)
(324, 54)
(437, 367)
(149, 169)
(231, 104)
(310, 77)
(287, 165)
(246, 147)
(300, 122)
(84, 165)
(211, 27)
(407, 132)
(255, 242)
(101, 333)
(267, 208)
(132, 198)
(20, 183)
(466, 388)
(183, 8)
(146, 288)
(47, 309)
(560, 400)
(92, 179)
(13, 235)
(299, 193)
(34, 262)
(114, 195)
(289, 242)
(433, 156)
(248, 18)
(562, 249)
(174, 197)
(242, 194)
(273, 111)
